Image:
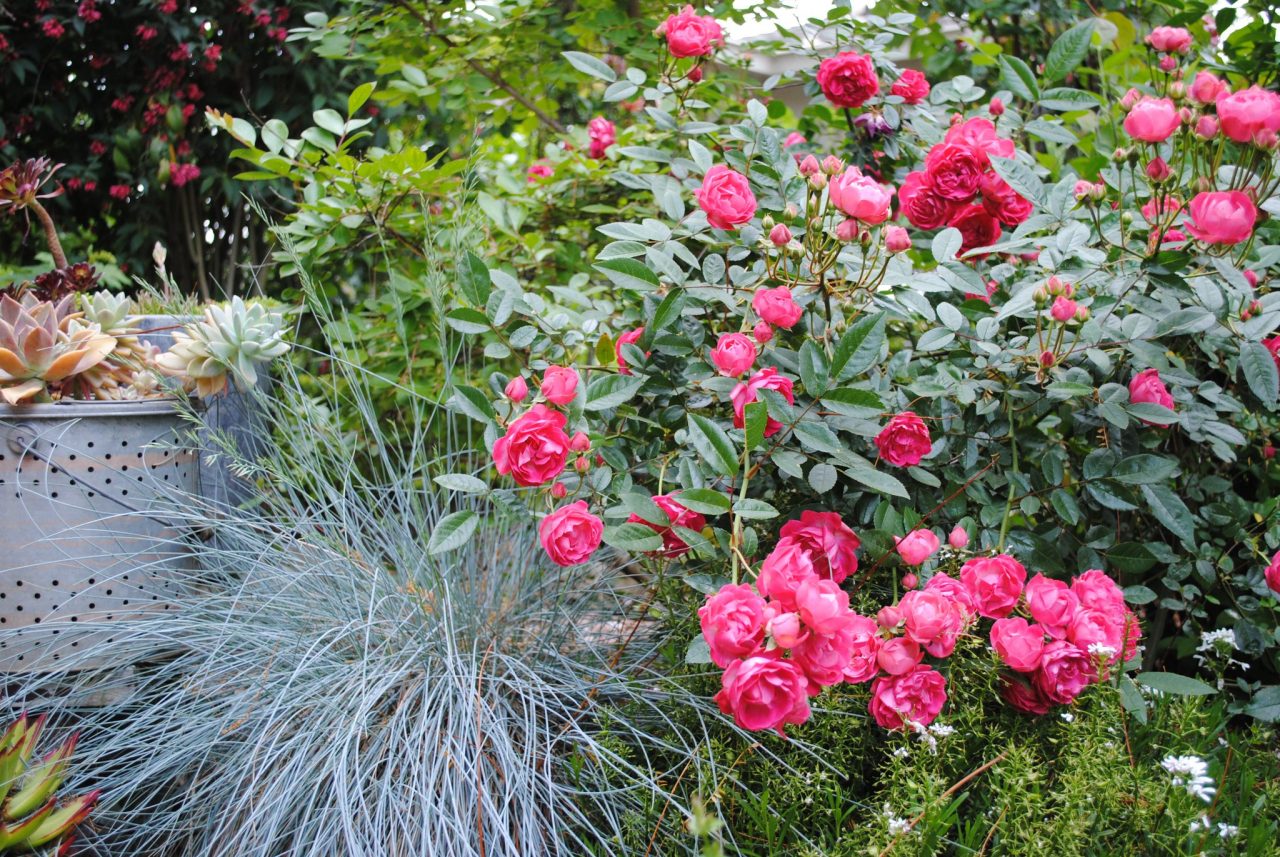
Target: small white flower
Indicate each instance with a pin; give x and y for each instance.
(1068, 716)
(942, 730)
(1210, 638)
(1201, 823)
(901, 752)
(1227, 831)
(1102, 650)
(1191, 772)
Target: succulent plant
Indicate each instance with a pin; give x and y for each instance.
(109, 311)
(230, 339)
(31, 818)
(39, 346)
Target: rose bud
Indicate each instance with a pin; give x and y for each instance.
(1130, 98)
(958, 538)
(996, 107)
(1207, 127)
(558, 490)
(780, 235)
(832, 165)
(818, 181)
(809, 165)
(517, 390)
(847, 230)
(909, 581)
(579, 442)
(1082, 314)
(1047, 359)
(762, 332)
(695, 74)
(1177, 90)
(1268, 452)
(1168, 63)
(1158, 170)
(896, 239)
(889, 617)
(1251, 277)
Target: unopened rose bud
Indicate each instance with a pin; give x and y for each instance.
(847, 230)
(1186, 116)
(582, 465)
(517, 390)
(1130, 98)
(1168, 63)
(958, 538)
(996, 107)
(695, 75)
(1054, 286)
(1158, 169)
(831, 165)
(762, 332)
(864, 238)
(1177, 91)
(909, 581)
(1082, 314)
(896, 239)
(579, 442)
(791, 211)
(1047, 359)
(1207, 127)
(1250, 277)
(780, 235)
(818, 181)
(809, 166)
(1126, 217)
(1040, 295)
(1266, 140)
(1268, 452)
(1120, 154)
(1063, 309)
(558, 490)
(889, 617)
(1204, 183)
(1083, 190)
(766, 222)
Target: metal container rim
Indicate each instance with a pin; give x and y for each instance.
(79, 408)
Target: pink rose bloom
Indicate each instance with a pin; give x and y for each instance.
(832, 546)
(1003, 202)
(898, 655)
(865, 636)
(1272, 344)
(1089, 626)
(889, 617)
(1063, 309)
(911, 87)
(848, 79)
(764, 692)
(570, 534)
(516, 390)
(1221, 217)
(923, 206)
(1146, 386)
(734, 354)
(733, 623)
(1097, 591)
(1207, 88)
(535, 447)
(780, 235)
(995, 583)
(1170, 40)
(977, 227)
(602, 135)
(690, 35)
(1018, 643)
(1247, 113)
(825, 657)
(631, 337)
(905, 441)
(931, 617)
(955, 170)
(896, 239)
(1168, 205)
(1052, 604)
(745, 393)
(1152, 120)
(958, 538)
(954, 590)
(539, 170)
(559, 384)
(822, 604)
(1206, 127)
(917, 546)
(795, 138)
(783, 570)
(1022, 696)
(777, 307)
(1065, 670)
(673, 545)
(726, 198)
(980, 135)
(913, 697)
(1272, 573)
(787, 630)
(861, 197)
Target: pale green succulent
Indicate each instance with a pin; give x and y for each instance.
(232, 338)
(110, 312)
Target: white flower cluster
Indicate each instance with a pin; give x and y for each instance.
(1191, 772)
(897, 825)
(1225, 831)
(1102, 650)
(1215, 647)
(929, 735)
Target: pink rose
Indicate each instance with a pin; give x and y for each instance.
(795, 138)
(1003, 202)
(917, 546)
(958, 538)
(734, 354)
(602, 134)
(977, 227)
(570, 534)
(1221, 217)
(516, 390)
(913, 697)
(559, 384)
(745, 393)
(1018, 643)
(1272, 344)
(631, 337)
(955, 170)
(786, 567)
(1065, 670)
(777, 307)
(539, 170)
(1097, 591)
(1052, 604)
(995, 583)
(898, 655)
(690, 35)
(780, 236)
(535, 447)
(1247, 113)
(822, 604)
(726, 197)
(825, 657)
(911, 87)
(896, 239)
(932, 619)
(956, 591)
(1063, 309)
(1272, 573)
(1022, 696)
(787, 630)
(1207, 88)
(865, 635)
(1170, 40)
(861, 197)
(1146, 386)
(832, 546)
(1152, 120)
(848, 230)
(764, 692)
(980, 135)
(923, 206)
(733, 623)
(889, 617)
(673, 545)
(905, 441)
(1206, 127)
(1089, 626)
(848, 79)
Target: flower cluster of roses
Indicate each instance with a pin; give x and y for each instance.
(959, 188)
(793, 633)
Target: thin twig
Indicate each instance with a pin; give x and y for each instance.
(968, 778)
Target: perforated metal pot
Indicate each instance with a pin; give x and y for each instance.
(87, 525)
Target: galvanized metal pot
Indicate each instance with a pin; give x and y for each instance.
(88, 532)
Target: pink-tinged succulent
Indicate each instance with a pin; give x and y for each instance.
(41, 345)
(31, 817)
